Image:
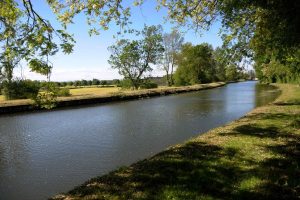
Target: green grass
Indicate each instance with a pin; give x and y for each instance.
(255, 157)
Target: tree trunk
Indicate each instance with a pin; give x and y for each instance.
(171, 75)
(168, 79)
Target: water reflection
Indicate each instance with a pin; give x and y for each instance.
(44, 153)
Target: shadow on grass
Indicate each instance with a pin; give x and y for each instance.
(282, 172)
(189, 172)
(287, 103)
(194, 171)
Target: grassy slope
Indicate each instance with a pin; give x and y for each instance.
(255, 157)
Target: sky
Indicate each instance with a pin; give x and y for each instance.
(90, 55)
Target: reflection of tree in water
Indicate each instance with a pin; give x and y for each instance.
(265, 94)
(203, 102)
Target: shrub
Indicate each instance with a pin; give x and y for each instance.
(20, 89)
(52, 87)
(63, 92)
(125, 84)
(148, 85)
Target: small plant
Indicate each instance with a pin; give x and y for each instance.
(46, 99)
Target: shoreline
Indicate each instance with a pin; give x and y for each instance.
(254, 157)
(120, 96)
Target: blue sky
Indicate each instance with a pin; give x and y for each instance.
(89, 59)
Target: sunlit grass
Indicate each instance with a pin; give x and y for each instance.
(93, 91)
(255, 157)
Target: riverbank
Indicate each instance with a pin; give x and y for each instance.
(255, 157)
(28, 105)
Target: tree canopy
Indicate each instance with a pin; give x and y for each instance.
(195, 65)
(133, 58)
(265, 31)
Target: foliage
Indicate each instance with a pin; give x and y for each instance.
(231, 73)
(125, 84)
(195, 65)
(26, 35)
(263, 31)
(148, 85)
(20, 89)
(63, 92)
(95, 82)
(46, 99)
(133, 58)
(220, 63)
(172, 43)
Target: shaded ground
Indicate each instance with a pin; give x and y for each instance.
(256, 157)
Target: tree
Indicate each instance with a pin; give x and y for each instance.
(70, 83)
(221, 63)
(172, 43)
(83, 82)
(103, 82)
(263, 30)
(26, 35)
(96, 81)
(195, 65)
(230, 63)
(133, 58)
(77, 83)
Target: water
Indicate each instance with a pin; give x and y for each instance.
(44, 153)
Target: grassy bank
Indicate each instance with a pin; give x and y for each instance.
(102, 95)
(255, 157)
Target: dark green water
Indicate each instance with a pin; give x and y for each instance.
(45, 153)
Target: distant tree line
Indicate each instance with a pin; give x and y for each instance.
(84, 82)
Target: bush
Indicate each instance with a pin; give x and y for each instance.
(63, 92)
(20, 89)
(126, 84)
(52, 87)
(148, 85)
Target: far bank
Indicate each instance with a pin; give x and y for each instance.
(28, 105)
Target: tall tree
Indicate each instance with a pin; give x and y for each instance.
(172, 44)
(195, 65)
(134, 58)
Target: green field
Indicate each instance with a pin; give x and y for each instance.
(255, 157)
